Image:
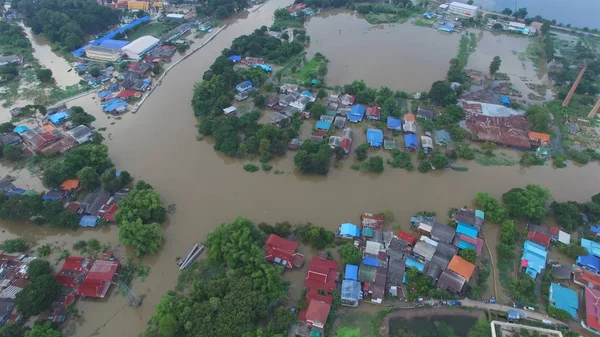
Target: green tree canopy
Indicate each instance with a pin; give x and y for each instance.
(88, 178)
(350, 254)
(78, 116)
(567, 215)
(527, 203)
(14, 245)
(442, 94)
(145, 238)
(494, 212)
(143, 204)
(12, 330)
(362, 151)
(375, 164)
(111, 182)
(468, 254)
(37, 268)
(495, 65)
(12, 153)
(44, 329)
(37, 295)
(539, 119)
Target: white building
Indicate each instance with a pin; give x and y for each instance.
(103, 53)
(460, 8)
(136, 49)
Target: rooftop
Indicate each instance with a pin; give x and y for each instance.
(321, 274)
(564, 298)
(462, 267)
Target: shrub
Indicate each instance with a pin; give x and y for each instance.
(375, 164)
(250, 168)
(14, 245)
(559, 161)
(266, 167)
(530, 159)
(355, 167)
(44, 250)
(79, 245)
(424, 166)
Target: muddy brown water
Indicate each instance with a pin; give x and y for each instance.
(159, 144)
(394, 55)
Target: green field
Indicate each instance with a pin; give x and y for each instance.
(157, 30)
(432, 326)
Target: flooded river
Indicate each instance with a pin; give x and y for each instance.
(401, 56)
(159, 144)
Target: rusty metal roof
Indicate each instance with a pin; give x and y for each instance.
(510, 130)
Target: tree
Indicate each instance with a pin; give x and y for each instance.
(507, 11)
(520, 13)
(37, 268)
(283, 320)
(143, 204)
(495, 65)
(78, 116)
(468, 254)
(44, 329)
(260, 101)
(493, 209)
(95, 71)
(527, 203)
(539, 119)
(7, 127)
(12, 330)
(546, 27)
(350, 254)
(470, 2)
(375, 164)
(567, 215)
(313, 158)
(362, 151)
(44, 75)
(439, 160)
(442, 94)
(317, 110)
(424, 166)
(145, 238)
(88, 178)
(13, 153)
(37, 295)
(480, 329)
(14, 245)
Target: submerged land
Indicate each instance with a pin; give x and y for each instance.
(207, 186)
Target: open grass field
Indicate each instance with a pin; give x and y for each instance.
(157, 30)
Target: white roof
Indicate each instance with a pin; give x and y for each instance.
(564, 237)
(372, 247)
(427, 141)
(229, 110)
(139, 45)
(442, 6)
(175, 16)
(516, 24)
(462, 5)
(426, 228)
(429, 241)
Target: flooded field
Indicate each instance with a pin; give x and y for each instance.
(432, 321)
(159, 144)
(400, 56)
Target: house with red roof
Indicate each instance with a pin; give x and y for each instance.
(374, 113)
(73, 271)
(592, 310)
(371, 220)
(317, 309)
(586, 278)
(127, 94)
(283, 252)
(109, 213)
(539, 238)
(322, 275)
(98, 279)
(407, 237)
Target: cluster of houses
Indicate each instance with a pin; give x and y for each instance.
(512, 27)
(296, 8)
(56, 136)
(13, 276)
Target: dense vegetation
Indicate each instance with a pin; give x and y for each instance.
(13, 41)
(66, 23)
(94, 156)
(313, 157)
(26, 208)
(219, 9)
(38, 294)
(229, 293)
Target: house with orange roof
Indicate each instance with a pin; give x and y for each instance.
(539, 139)
(461, 267)
(70, 184)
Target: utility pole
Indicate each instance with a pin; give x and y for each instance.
(132, 299)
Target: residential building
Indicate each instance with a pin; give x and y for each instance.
(424, 250)
(374, 113)
(317, 310)
(443, 233)
(349, 231)
(539, 238)
(585, 278)
(409, 127)
(462, 9)
(592, 310)
(351, 293)
(446, 249)
(4, 60)
(136, 49)
(375, 137)
(539, 139)
(442, 138)
(175, 17)
(410, 140)
(533, 258)
(351, 272)
(357, 113)
(81, 134)
(323, 125)
(300, 103)
(93, 201)
(395, 275)
(285, 100)
(282, 251)
(427, 144)
(98, 279)
(322, 274)
(347, 137)
(10, 138)
(347, 99)
(463, 242)
(461, 267)
(563, 298)
(467, 230)
(38, 141)
(591, 246)
(371, 220)
(406, 237)
(589, 262)
(394, 124)
(339, 122)
(425, 113)
(506, 130)
(103, 53)
(451, 281)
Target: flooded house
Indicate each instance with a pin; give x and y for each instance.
(464, 242)
(410, 141)
(81, 134)
(533, 259)
(506, 130)
(424, 250)
(272, 101)
(322, 275)
(285, 100)
(347, 137)
(461, 267)
(374, 113)
(356, 114)
(371, 220)
(323, 125)
(427, 144)
(394, 124)
(351, 293)
(283, 252)
(410, 239)
(347, 99)
(442, 138)
(451, 281)
(317, 310)
(289, 88)
(564, 298)
(425, 113)
(280, 120)
(335, 141)
(443, 233)
(375, 137)
(243, 86)
(300, 103)
(339, 122)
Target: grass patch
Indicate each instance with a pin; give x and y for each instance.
(157, 30)
(423, 23)
(460, 169)
(500, 160)
(288, 23)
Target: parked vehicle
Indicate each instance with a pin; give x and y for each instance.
(529, 308)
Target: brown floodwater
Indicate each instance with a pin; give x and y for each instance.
(400, 56)
(159, 144)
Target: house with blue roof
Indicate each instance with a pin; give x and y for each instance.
(410, 142)
(394, 124)
(351, 272)
(88, 221)
(371, 261)
(442, 137)
(595, 229)
(533, 258)
(20, 129)
(589, 262)
(505, 100)
(591, 246)
(264, 67)
(467, 230)
(323, 125)
(351, 293)
(235, 58)
(244, 86)
(415, 264)
(564, 298)
(357, 113)
(375, 137)
(349, 231)
(59, 117)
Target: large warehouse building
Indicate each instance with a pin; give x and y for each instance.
(136, 49)
(103, 53)
(460, 8)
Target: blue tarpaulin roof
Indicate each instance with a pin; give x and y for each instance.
(465, 245)
(410, 141)
(467, 230)
(59, 117)
(263, 67)
(564, 298)
(591, 246)
(374, 137)
(446, 28)
(117, 44)
(351, 272)
(104, 94)
(88, 221)
(235, 58)
(535, 255)
(20, 129)
(442, 137)
(505, 99)
(357, 113)
(589, 262)
(394, 123)
(348, 229)
(306, 93)
(595, 229)
(415, 264)
(371, 261)
(323, 125)
(351, 290)
(15, 191)
(111, 34)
